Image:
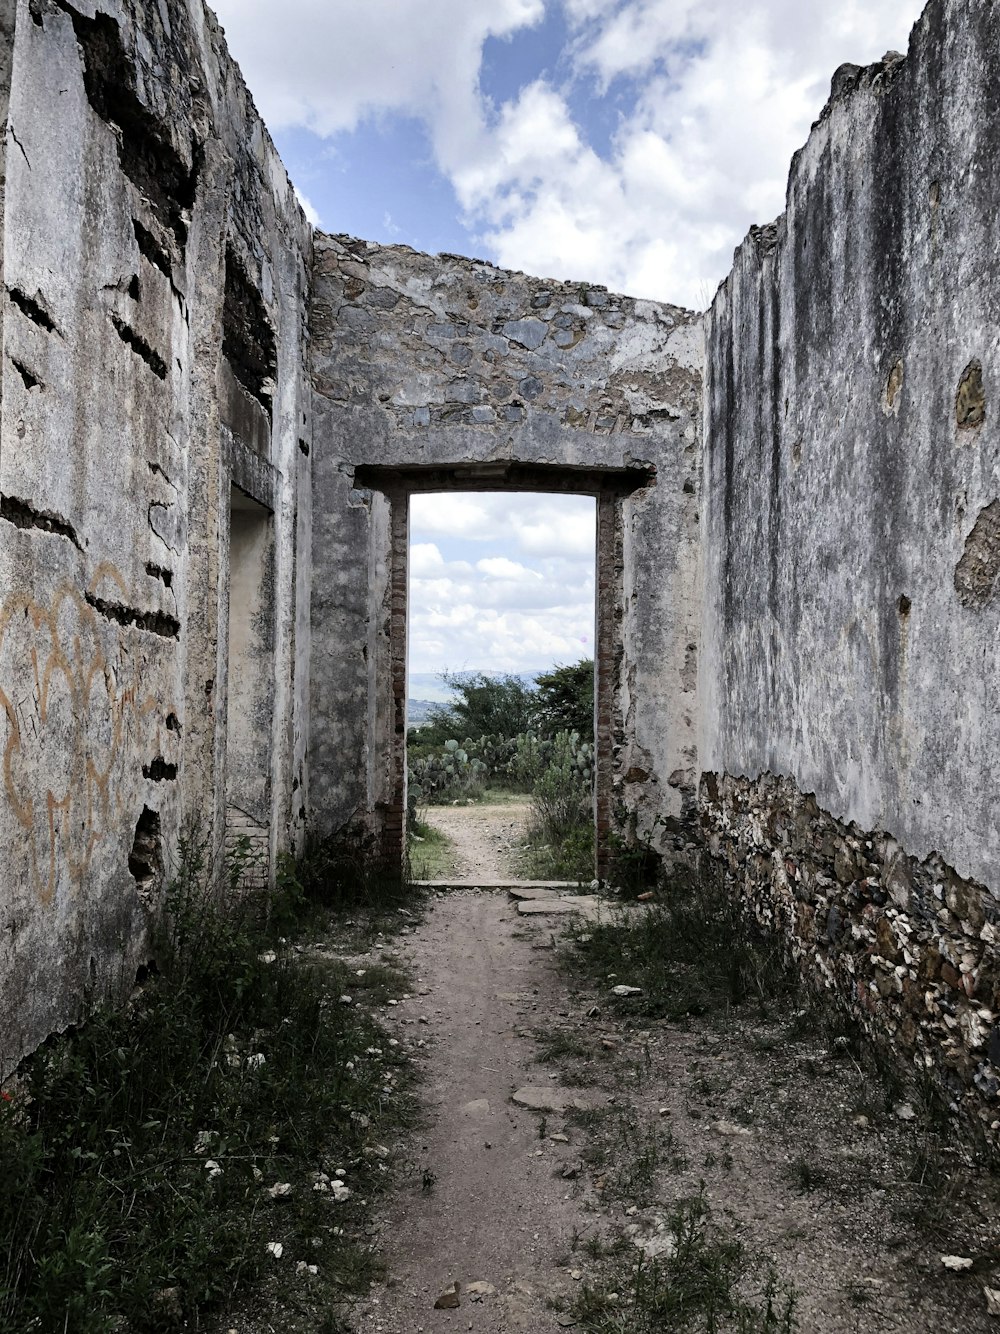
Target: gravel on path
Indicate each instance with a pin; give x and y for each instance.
(486, 837)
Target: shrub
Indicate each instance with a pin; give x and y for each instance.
(565, 700)
(486, 705)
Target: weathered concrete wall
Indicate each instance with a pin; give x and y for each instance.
(851, 546)
(458, 372)
(154, 263)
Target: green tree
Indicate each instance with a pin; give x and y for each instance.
(565, 700)
(485, 705)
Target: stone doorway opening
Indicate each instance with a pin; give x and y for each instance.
(610, 487)
(501, 593)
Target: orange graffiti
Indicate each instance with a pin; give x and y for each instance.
(70, 691)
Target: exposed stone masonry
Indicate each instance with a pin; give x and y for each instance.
(907, 946)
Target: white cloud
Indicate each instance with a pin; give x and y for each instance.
(307, 208)
(524, 605)
(499, 567)
(719, 95)
(327, 66)
(726, 93)
(425, 559)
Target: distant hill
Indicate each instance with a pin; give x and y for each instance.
(418, 711)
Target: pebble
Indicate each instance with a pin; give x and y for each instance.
(449, 1300)
(956, 1262)
(622, 990)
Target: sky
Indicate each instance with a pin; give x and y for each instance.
(630, 143)
(499, 581)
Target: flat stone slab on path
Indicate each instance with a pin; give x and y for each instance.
(549, 1098)
(586, 905)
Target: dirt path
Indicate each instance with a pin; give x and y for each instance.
(486, 838)
(764, 1128)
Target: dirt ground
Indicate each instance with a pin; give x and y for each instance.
(486, 837)
(797, 1158)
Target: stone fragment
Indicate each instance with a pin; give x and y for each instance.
(478, 1107)
(529, 333)
(622, 990)
(729, 1129)
(956, 1263)
(480, 1289)
(538, 1099)
(449, 1299)
(992, 1296)
(904, 1111)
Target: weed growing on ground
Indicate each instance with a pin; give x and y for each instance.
(625, 1154)
(703, 1280)
(217, 1138)
(690, 951)
(432, 853)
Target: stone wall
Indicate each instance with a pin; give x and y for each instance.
(155, 264)
(849, 672)
(447, 373)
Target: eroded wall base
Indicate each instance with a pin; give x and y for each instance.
(908, 946)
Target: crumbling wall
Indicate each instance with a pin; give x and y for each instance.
(154, 269)
(450, 369)
(849, 671)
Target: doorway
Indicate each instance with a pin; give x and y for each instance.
(500, 685)
(609, 488)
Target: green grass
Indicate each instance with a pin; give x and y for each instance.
(137, 1152)
(565, 855)
(432, 853)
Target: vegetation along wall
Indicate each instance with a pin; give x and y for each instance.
(849, 672)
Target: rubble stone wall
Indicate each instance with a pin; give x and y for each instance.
(849, 670)
(154, 270)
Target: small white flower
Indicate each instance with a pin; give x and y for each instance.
(280, 1190)
(213, 1169)
(340, 1191)
(276, 1249)
(268, 956)
(340, 1172)
(255, 1061)
(203, 1141)
(349, 1065)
